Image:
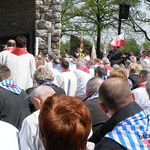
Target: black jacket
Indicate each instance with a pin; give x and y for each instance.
(98, 138)
(134, 78)
(13, 108)
(98, 117)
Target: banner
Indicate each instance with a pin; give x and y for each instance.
(118, 41)
(93, 52)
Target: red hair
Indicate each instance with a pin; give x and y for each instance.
(64, 123)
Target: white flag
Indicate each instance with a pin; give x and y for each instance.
(93, 53)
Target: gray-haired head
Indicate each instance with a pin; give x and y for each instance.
(105, 61)
(51, 56)
(42, 73)
(93, 85)
(80, 63)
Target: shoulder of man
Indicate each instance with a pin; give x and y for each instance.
(57, 89)
(108, 144)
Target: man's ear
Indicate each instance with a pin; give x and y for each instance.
(104, 109)
(133, 96)
(88, 93)
(37, 103)
(96, 75)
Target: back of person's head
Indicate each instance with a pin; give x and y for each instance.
(21, 41)
(51, 56)
(93, 85)
(115, 93)
(87, 52)
(116, 66)
(143, 75)
(100, 72)
(97, 60)
(80, 63)
(105, 61)
(64, 123)
(5, 72)
(90, 63)
(65, 64)
(40, 94)
(11, 43)
(65, 50)
(120, 73)
(56, 60)
(135, 68)
(40, 60)
(42, 73)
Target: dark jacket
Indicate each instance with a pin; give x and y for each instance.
(134, 78)
(13, 108)
(108, 144)
(57, 89)
(98, 117)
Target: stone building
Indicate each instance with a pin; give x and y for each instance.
(32, 18)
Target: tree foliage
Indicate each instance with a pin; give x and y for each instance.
(131, 46)
(93, 17)
(65, 45)
(146, 45)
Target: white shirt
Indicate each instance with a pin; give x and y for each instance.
(58, 79)
(69, 83)
(87, 57)
(82, 79)
(49, 65)
(8, 137)
(3, 56)
(133, 59)
(29, 133)
(22, 69)
(141, 97)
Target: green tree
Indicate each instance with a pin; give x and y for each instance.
(88, 16)
(92, 17)
(69, 16)
(146, 45)
(131, 46)
(65, 45)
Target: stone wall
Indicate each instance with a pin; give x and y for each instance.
(48, 20)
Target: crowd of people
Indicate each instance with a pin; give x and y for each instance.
(63, 102)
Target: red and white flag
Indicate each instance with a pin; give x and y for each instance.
(118, 41)
(113, 44)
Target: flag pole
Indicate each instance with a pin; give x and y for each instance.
(93, 52)
(36, 46)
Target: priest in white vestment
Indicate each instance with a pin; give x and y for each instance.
(21, 63)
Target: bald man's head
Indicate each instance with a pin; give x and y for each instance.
(115, 93)
(40, 94)
(11, 43)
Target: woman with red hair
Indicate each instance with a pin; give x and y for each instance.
(64, 123)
